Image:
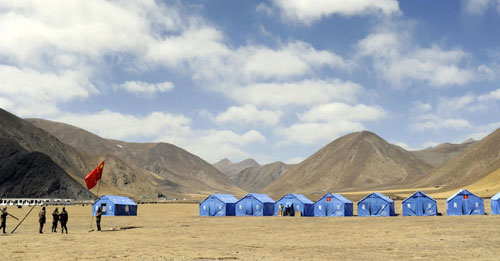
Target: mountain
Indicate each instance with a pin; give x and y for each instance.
(475, 163)
(230, 169)
(32, 138)
(256, 178)
(34, 175)
(167, 169)
(357, 161)
(438, 155)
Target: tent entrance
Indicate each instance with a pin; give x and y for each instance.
(103, 207)
(249, 208)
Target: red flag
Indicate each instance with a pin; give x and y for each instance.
(95, 175)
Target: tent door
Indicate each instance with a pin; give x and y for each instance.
(329, 208)
(103, 207)
(249, 207)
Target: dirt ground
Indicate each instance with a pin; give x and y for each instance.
(176, 232)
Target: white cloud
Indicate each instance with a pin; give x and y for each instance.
(479, 7)
(432, 122)
(316, 132)
(35, 93)
(303, 93)
(336, 111)
(398, 60)
(139, 87)
(328, 121)
(307, 12)
(115, 125)
(248, 114)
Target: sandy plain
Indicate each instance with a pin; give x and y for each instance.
(176, 232)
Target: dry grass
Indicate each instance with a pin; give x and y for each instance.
(175, 232)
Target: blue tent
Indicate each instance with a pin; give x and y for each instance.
(293, 203)
(376, 204)
(115, 206)
(333, 205)
(495, 204)
(255, 205)
(218, 205)
(464, 203)
(419, 204)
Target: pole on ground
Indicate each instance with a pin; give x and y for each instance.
(22, 220)
(12, 216)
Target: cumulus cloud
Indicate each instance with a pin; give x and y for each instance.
(248, 114)
(340, 111)
(139, 87)
(432, 122)
(398, 60)
(35, 93)
(303, 93)
(328, 121)
(307, 12)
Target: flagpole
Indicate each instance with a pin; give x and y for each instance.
(92, 219)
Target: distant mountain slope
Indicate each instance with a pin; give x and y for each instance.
(255, 179)
(229, 169)
(356, 161)
(438, 155)
(34, 175)
(475, 163)
(171, 169)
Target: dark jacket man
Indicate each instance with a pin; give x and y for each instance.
(4, 219)
(55, 219)
(63, 218)
(98, 219)
(41, 219)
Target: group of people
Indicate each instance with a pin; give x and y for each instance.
(56, 218)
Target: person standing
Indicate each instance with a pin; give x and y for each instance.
(41, 219)
(98, 218)
(63, 218)
(55, 219)
(4, 219)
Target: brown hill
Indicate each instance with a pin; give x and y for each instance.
(356, 161)
(438, 155)
(230, 169)
(34, 175)
(166, 169)
(475, 163)
(255, 179)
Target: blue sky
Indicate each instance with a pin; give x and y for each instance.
(271, 80)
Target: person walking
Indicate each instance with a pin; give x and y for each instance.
(4, 219)
(41, 219)
(55, 219)
(98, 218)
(63, 218)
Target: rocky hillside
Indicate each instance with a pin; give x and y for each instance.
(255, 179)
(34, 175)
(357, 161)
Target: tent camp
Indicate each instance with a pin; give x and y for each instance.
(255, 205)
(115, 206)
(419, 204)
(218, 205)
(495, 204)
(377, 205)
(292, 203)
(333, 205)
(464, 203)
